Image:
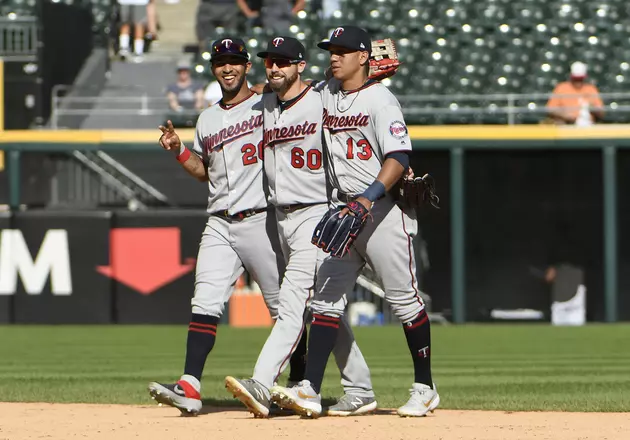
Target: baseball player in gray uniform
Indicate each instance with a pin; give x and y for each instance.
(367, 145)
(293, 164)
(240, 233)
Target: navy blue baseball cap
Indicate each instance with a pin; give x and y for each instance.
(229, 46)
(284, 47)
(350, 37)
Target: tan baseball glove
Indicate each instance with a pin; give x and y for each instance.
(384, 61)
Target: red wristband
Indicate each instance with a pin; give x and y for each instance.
(181, 158)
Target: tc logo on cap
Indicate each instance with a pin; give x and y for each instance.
(227, 43)
(278, 41)
(337, 32)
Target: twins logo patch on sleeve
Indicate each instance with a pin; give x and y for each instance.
(398, 129)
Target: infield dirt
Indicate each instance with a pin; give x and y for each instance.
(19, 421)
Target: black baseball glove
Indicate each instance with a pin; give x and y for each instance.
(419, 191)
(333, 234)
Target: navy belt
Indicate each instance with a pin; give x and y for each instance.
(239, 215)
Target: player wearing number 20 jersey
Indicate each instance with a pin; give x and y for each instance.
(241, 232)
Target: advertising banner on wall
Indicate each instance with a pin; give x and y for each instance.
(47, 264)
(152, 260)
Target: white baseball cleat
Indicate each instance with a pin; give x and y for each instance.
(423, 399)
(302, 399)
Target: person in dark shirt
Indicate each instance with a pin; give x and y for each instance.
(185, 94)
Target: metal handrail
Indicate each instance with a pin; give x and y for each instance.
(131, 176)
(109, 180)
(454, 104)
(506, 96)
(146, 105)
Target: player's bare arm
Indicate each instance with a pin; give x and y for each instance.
(193, 165)
(596, 110)
(247, 11)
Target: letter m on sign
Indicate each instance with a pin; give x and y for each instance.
(53, 259)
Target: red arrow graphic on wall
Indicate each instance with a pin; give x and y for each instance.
(145, 259)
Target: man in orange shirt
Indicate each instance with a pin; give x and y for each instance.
(576, 101)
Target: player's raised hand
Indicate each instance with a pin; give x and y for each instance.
(170, 139)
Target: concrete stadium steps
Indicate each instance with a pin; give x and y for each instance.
(177, 21)
(133, 80)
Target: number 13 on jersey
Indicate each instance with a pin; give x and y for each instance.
(364, 147)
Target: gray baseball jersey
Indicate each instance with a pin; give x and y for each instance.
(297, 187)
(229, 139)
(360, 128)
(292, 140)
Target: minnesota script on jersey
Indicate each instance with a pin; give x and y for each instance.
(360, 128)
(229, 140)
(293, 150)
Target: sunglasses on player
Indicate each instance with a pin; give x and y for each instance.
(280, 62)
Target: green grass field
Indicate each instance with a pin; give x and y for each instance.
(503, 367)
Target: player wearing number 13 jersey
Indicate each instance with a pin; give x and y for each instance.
(293, 164)
(367, 146)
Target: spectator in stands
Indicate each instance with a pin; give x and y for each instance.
(215, 13)
(251, 9)
(152, 21)
(132, 12)
(185, 95)
(277, 15)
(576, 101)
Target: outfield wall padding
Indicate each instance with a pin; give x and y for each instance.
(6, 301)
(90, 298)
(169, 236)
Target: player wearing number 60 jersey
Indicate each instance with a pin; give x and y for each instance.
(367, 144)
(293, 164)
(241, 232)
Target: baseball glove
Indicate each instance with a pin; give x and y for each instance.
(384, 60)
(419, 191)
(333, 234)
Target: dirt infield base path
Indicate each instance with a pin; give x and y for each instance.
(19, 421)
